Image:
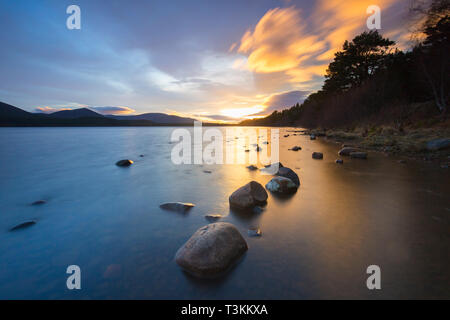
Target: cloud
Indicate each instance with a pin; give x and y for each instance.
(113, 110)
(287, 45)
(49, 110)
(284, 100)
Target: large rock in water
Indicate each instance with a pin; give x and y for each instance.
(290, 174)
(212, 250)
(438, 144)
(177, 206)
(248, 196)
(346, 151)
(281, 185)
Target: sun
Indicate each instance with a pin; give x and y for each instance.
(242, 112)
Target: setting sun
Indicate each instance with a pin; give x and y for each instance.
(242, 112)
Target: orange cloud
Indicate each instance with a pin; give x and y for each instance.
(283, 44)
(49, 110)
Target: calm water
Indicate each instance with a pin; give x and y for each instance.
(315, 244)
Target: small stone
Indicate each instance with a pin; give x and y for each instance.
(254, 232)
(312, 137)
(124, 163)
(296, 148)
(177, 206)
(317, 155)
(339, 161)
(23, 225)
(346, 151)
(402, 161)
(213, 217)
(39, 202)
(207, 171)
(252, 168)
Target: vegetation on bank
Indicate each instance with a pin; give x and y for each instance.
(371, 84)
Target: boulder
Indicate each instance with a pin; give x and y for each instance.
(23, 225)
(289, 173)
(438, 144)
(358, 155)
(281, 185)
(317, 155)
(124, 163)
(346, 151)
(248, 196)
(212, 250)
(177, 206)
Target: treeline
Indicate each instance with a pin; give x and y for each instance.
(371, 81)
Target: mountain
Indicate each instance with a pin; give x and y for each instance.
(11, 116)
(76, 113)
(8, 111)
(161, 118)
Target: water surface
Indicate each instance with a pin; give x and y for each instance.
(315, 244)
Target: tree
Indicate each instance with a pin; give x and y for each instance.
(360, 59)
(432, 54)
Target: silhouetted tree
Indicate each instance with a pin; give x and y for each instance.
(360, 58)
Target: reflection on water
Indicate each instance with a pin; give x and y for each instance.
(316, 243)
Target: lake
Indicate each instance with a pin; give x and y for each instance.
(317, 243)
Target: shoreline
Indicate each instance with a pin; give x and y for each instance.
(407, 143)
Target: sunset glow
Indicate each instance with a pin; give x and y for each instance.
(272, 56)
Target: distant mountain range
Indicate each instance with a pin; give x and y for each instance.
(11, 116)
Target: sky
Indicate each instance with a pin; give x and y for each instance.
(212, 60)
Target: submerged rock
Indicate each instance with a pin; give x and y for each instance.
(177, 206)
(248, 196)
(124, 163)
(317, 155)
(212, 250)
(346, 151)
(281, 185)
(358, 155)
(438, 144)
(23, 225)
(39, 202)
(290, 174)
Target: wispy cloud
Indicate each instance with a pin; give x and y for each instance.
(113, 110)
(49, 110)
